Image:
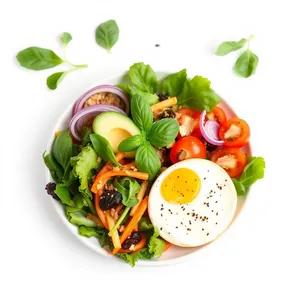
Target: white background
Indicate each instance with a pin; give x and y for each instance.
(258, 258)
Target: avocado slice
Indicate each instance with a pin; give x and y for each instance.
(115, 127)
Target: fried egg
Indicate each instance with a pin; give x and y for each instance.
(192, 202)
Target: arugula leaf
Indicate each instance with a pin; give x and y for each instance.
(246, 64)
(141, 113)
(54, 80)
(62, 148)
(131, 143)
(150, 98)
(62, 191)
(254, 171)
(163, 132)
(66, 38)
(173, 83)
(143, 78)
(129, 188)
(156, 245)
(36, 58)
(54, 168)
(103, 148)
(145, 224)
(83, 164)
(197, 94)
(147, 160)
(227, 47)
(107, 34)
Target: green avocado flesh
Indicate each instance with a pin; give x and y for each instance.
(115, 127)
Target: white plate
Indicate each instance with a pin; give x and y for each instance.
(174, 254)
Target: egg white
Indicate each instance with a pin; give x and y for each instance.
(180, 224)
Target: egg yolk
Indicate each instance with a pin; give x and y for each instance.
(181, 186)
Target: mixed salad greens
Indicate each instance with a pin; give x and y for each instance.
(104, 164)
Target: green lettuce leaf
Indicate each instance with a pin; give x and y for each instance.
(145, 224)
(83, 164)
(197, 94)
(78, 219)
(130, 258)
(173, 83)
(156, 245)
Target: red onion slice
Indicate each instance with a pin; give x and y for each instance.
(79, 104)
(210, 130)
(77, 121)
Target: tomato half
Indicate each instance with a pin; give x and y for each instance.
(189, 122)
(217, 114)
(235, 133)
(232, 160)
(187, 147)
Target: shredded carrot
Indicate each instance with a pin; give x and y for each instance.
(140, 196)
(115, 236)
(106, 168)
(129, 165)
(95, 219)
(100, 183)
(133, 222)
(168, 245)
(99, 211)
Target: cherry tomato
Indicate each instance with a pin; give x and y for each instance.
(232, 160)
(235, 133)
(187, 147)
(188, 120)
(217, 114)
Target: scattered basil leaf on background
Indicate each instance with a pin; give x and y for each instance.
(103, 148)
(246, 64)
(227, 47)
(36, 58)
(107, 34)
(54, 79)
(66, 38)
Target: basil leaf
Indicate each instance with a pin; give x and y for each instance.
(173, 83)
(131, 143)
(240, 188)
(149, 98)
(62, 191)
(163, 132)
(103, 148)
(141, 113)
(35, 58)
(66, 38)
(62, 148)
(143, 78)
(147, 160)
(197, 94)
(54, 168)
(227, 47)
(246, 64)
(107, 34)
(54, 79)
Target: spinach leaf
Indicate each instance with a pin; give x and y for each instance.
(62, 191)
(103, 148)
(141, 113)
(143, 78)
(227, 47)
(85, 135)
(129, 188)
(254, 171)
(246, 64)
(107, 34)
(173, 83)
(36, 58)
(66, 38)
(62, 148)
(54, 79)
(163, 132)
(147, 160)
(197, 94)
(54, 168)
(83, 164)
(131, 143)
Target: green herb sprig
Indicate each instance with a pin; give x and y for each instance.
(36, 58)
(247, 62)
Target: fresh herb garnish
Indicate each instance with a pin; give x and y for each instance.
(36, 58)
(247, 62)
(107, 34)
(254, 171)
